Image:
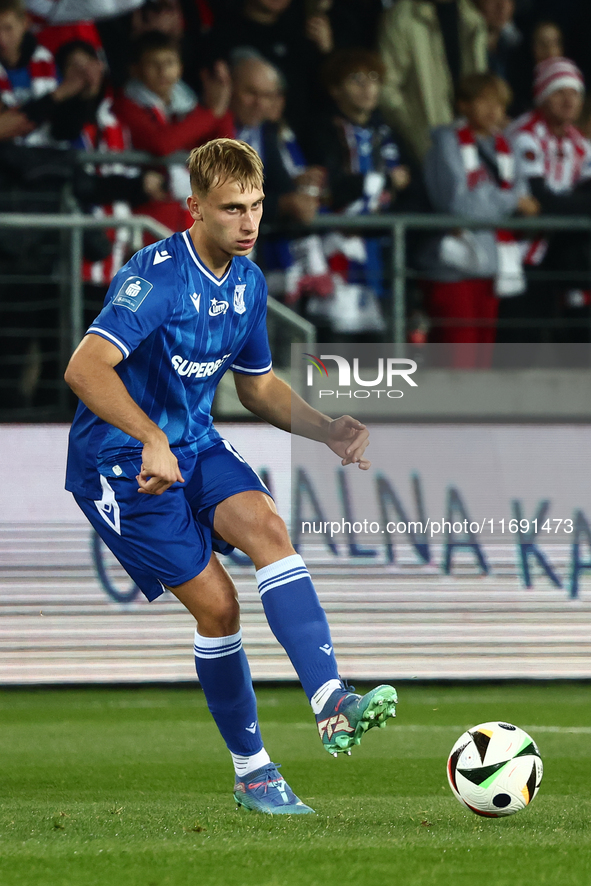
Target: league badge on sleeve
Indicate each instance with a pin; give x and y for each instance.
(132, 293)
(239, 305)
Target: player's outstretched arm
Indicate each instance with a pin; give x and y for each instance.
(91, 375)
(274, 401)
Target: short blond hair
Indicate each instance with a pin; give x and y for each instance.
(473, 86)
(223, 159)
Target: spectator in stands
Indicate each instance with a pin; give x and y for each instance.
(95, 104)
(547, 41)
(366, 174)
(294, 267)
(556, 158)
(563, 12)
(365, 167)
(161, 111)
(309, 179)
(292, 191)
(164, 115)
(98, 188)
(470, 171)
(504, 38)
(57, 22)
(426, 46)
(30, 99)
(290, 149)
(28, 80)
(54, 24)
(508, 55)
(167, 17)
(277, 30)
(256, 86)
(187, 21)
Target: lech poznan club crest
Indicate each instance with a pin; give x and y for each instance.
(239, 305)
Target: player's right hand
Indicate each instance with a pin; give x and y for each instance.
(160, 468)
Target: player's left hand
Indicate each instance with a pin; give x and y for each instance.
(349, 439)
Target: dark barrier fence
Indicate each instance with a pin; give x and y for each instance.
(44, 304)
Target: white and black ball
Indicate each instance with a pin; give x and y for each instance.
(495, 769)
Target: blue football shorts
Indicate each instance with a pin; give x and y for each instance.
(164, 540)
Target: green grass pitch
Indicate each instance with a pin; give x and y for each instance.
(132, 787)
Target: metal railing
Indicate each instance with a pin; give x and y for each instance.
(76, 224)
(396, 225)
(399, 225)
(73, 225)
(71, 325)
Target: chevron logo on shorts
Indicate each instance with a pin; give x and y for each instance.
(338, 723)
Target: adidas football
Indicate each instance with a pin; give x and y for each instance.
(495, 769)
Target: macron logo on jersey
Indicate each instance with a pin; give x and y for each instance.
(199, 370)
(160, 257)
(196, 299)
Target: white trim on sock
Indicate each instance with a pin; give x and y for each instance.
(280, 573)
(244, 765)
(273, 569)
(217, 647)
(322, 695)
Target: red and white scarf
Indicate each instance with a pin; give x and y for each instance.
(564, 162)
(510, 279)
(107, 134)
(43, 74)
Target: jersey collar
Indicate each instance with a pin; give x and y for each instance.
(219, 281)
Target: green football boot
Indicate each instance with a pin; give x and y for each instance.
(346, 717)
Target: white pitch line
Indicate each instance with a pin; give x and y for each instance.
(415, 727)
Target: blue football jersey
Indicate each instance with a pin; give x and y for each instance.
(179, 329)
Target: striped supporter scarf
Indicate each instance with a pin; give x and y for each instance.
(510, 279)
(107, 134)
(43, 79)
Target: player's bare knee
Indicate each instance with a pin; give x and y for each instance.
(222, 618)
(226, 608)
(273, 529)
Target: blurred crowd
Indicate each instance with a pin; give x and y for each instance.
(470, 107)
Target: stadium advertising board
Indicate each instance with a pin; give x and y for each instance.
(416, 600)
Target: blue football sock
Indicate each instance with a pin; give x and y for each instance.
(298, 621)
(224, 675)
